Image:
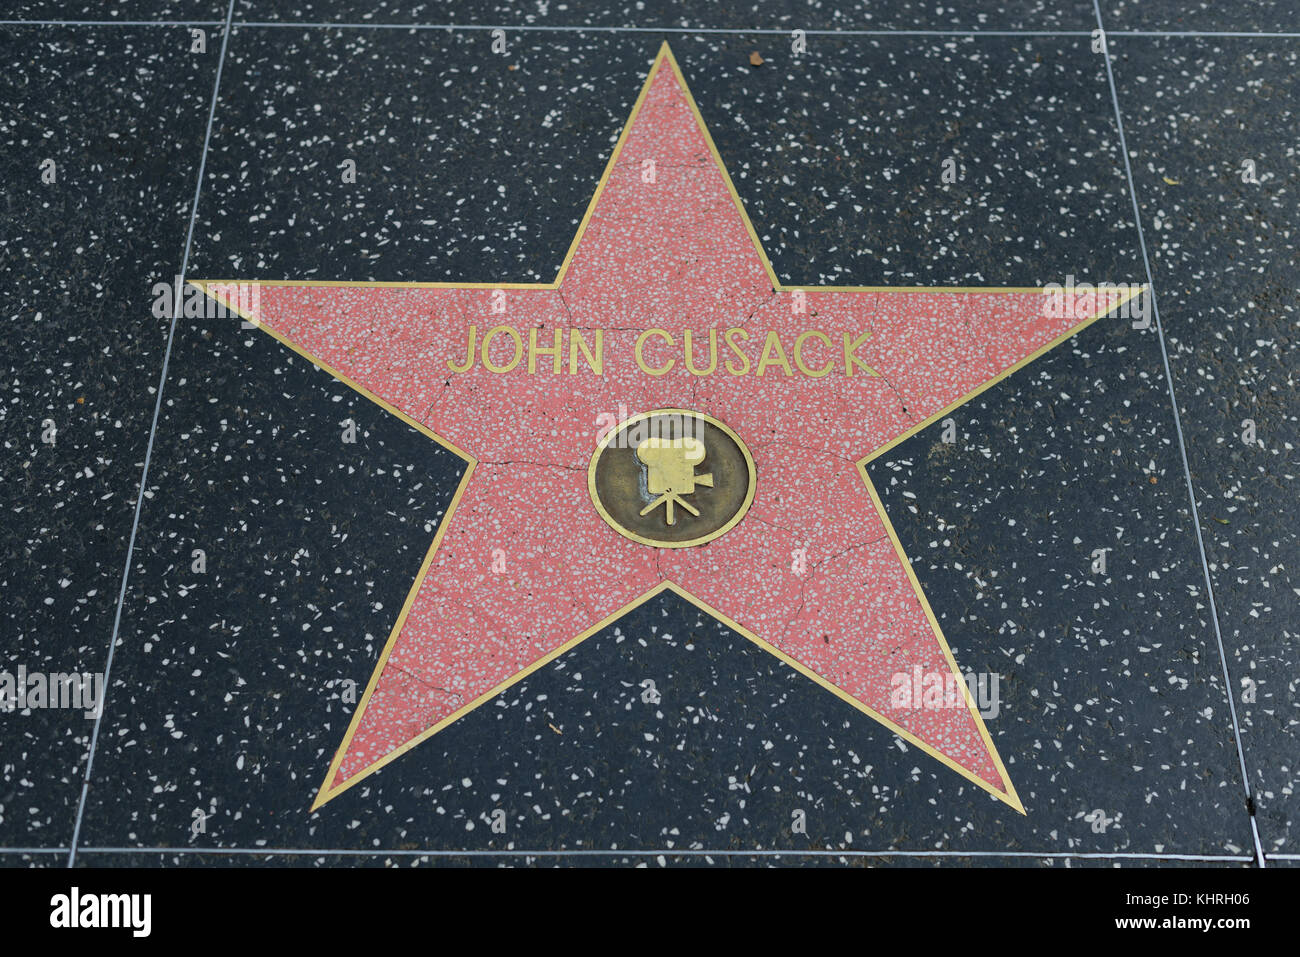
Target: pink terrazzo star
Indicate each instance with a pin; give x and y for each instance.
(523, 566)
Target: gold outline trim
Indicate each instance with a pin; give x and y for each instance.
(325, 793)
(628, 533)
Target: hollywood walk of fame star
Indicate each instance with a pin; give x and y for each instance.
(525, 381)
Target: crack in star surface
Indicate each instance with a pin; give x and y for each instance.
(902, 402)
(540, 465)
(806, 580)
(426, 418)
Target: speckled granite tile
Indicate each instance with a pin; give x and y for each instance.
(228, 699)
(1112, 695)
(309, 546)
(122, 118)
(838, 155)
(1226, 260)
(135, 10)
(468, 167)
(1262, 16)
(754, 14)
(28, 858)
(574, 757)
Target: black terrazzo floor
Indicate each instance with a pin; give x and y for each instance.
(225, 690)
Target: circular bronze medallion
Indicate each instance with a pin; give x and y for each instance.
(671, 478)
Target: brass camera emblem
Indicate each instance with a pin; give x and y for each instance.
(647, 481)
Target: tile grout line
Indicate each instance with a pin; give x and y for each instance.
(599, 852)
(765, 31)
(33, 850)
(153, 430)
(712, 31)
(665, 851)
(1262, 34)
(1182, 444)
(112, 23)
(592, 28)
